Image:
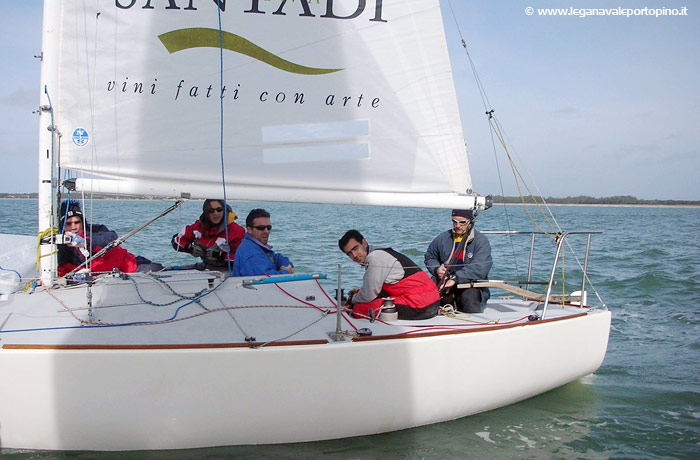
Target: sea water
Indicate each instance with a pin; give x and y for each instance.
(644, 401)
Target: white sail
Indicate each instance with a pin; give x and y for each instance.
(349, 102)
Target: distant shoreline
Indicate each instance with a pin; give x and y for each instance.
(612, 205)
(641, 204)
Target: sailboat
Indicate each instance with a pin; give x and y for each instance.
(343, 102)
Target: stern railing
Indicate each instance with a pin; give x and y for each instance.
(560, 239)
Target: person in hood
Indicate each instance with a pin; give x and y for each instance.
(214, 237)
(82, 240)
(459, 256)
(72, 222)
(255, 256)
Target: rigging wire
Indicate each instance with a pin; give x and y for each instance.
(87, 203)
(175, 316)
(121, 239)
(88, 210)
(497, 130)
(489, 112)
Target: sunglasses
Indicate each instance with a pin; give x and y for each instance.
(219, 209)
(460, 222)
(262, 227)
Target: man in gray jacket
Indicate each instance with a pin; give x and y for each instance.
(388, 274)
(459, 256)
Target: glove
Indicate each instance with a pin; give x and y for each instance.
(199, 250)
(214, 253)
(177, 247)
(349, 303)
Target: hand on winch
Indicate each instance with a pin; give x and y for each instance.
(446, 279)
(213, 253)
(351, 292)
(198, 250)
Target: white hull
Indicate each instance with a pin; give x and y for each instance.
(184, 389)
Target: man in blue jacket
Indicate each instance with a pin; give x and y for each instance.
(459, 256)
(254, 256)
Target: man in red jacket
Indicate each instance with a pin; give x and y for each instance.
(389, 274)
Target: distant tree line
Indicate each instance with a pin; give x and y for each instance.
(19, 195)
(581, 199)
(96, 196)
(584, 199)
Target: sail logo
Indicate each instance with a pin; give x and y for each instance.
(80, 137)
(199, 37)
(255, 7)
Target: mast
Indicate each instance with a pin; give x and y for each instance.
(48, 136)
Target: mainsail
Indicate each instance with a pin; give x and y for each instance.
(325, 101)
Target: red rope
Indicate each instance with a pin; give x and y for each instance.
(319, 308)
(298, 299)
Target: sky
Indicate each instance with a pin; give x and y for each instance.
(596, 105)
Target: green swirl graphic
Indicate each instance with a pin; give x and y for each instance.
(198, 37)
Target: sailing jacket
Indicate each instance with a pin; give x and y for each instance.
(211, 241)
(391, 274)
(101, 235)
(70, 257)
(98, 237)
(255, 258)
(476, 258)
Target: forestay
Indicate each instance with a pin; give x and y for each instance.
(336, 102)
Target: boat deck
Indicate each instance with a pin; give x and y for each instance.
(185, 309)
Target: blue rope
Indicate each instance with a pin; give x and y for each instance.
(221, 133)
(135, 323)
(279, 279)
(13, 271)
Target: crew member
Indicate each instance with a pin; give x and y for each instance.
(207, 237)
(460, 256)
(255, 256)
(79, 246)
(388, 274)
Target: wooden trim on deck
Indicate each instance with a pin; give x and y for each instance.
(11, 346)
(465, 331)
(529, 295)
